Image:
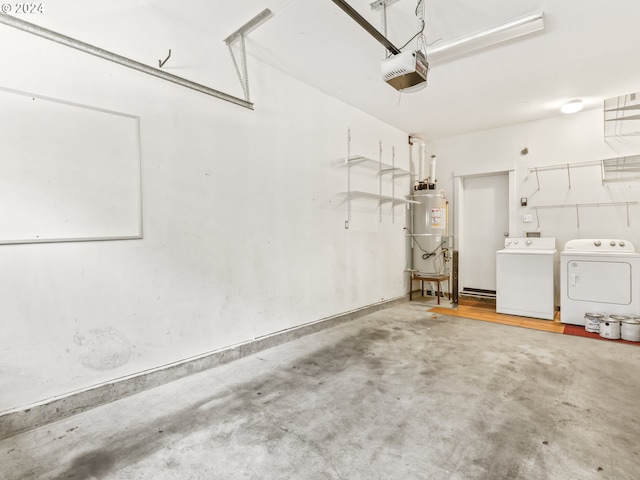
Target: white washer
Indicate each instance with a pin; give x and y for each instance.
(598, 275)
(525, 279)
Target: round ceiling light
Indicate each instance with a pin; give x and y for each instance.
(572, 107)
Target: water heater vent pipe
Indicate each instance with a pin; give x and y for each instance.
(421, 146)
(432, 170)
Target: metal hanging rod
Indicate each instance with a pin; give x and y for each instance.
(568, 166)
(578, 205)
(630, 117)
(373, 31)
(119, 59)
(601, 204)
(626, 107)
(592, 163)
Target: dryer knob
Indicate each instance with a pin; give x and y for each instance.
(612, 243)
(621, 244)
(597, 243)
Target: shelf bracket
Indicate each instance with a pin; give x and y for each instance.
(569, 177)
(537, 180)
(240, 34)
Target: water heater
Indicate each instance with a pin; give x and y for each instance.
(429, 231)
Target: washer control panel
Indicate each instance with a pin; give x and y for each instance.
(533, 243)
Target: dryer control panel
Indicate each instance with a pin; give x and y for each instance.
(599, 245)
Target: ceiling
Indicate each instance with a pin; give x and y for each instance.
(589, 49)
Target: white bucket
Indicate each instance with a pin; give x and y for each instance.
(593, 320)
(610, 327)
(630, 329)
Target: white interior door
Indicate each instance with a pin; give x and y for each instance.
(485, 223)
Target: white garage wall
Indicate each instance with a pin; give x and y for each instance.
(243, 228)
(570, 139)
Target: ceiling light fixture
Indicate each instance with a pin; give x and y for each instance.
(485, 38)
(572, 106)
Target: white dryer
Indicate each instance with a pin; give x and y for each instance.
(600, 276)
(525, 272)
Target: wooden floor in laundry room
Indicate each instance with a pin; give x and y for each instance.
(485, 311)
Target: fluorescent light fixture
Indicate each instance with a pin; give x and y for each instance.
(492, 36)
(572, 106)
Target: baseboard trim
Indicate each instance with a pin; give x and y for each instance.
(22, 419)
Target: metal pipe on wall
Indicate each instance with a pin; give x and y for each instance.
(119, 59)
(432, 170)
(454, 280)
(421, 150)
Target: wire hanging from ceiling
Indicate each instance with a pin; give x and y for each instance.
(422, 43)
(419, 12)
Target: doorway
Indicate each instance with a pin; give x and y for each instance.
(484, 216)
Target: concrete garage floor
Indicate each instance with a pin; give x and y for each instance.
(398, 394)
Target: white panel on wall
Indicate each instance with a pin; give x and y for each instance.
(68, 172)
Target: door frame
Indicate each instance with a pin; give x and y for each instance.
(458, 195)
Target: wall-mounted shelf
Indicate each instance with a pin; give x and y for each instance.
(382, 170)
(622, 116)
(380, 167)
(619, 169)
(381, 199)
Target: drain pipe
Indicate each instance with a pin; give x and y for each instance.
(413, 140)
(432, 171)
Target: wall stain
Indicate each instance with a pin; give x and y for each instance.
(103, 349)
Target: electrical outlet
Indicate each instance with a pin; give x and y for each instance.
(528, 218)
